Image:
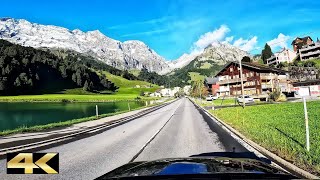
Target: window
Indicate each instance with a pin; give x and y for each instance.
(231, 69)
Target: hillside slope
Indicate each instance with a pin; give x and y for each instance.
(26, 70)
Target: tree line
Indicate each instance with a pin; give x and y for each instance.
(95, 64)
(162, 80)
(26, 70)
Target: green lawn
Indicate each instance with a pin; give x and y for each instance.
(281, 129)
(131, 86)
(122, 82)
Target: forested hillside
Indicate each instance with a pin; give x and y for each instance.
(204, 68)
(93, 63)
(25, 70)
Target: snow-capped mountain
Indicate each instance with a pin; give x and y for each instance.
(222, 53)
(124, 55)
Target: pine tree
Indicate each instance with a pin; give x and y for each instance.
(246, 59)
(2, 85)
(17, 82)
(74, 77)
(37, 77)
(86, 86)
(30, 83)
(266, 53)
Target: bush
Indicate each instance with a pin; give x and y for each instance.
(282, 98)
(141, 93)
(65, 101)
(277, 95)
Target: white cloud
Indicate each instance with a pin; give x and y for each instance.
(281, 41)
(219, 35)
(211, 37)
(229, 39)
(246, 44)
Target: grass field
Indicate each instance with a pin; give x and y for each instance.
(205, 65)
(281, 129)
(135, 72)
(127, 91)
(130, 86)
(195, 76)
(72, 98)
(122, 82)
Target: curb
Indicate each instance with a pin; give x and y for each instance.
(79, 134)
(273, 157)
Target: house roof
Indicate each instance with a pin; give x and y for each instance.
(258, 67)
(304, 39)
(209, 80)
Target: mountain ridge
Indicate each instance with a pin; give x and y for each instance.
(127, 55)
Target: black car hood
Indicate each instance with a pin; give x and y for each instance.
(200, 165)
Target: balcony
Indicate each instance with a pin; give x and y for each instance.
(272, 62)
(268, 76)
(231, 81)
(316, 45)
(310, 53)
(266, 86)
(224, 89)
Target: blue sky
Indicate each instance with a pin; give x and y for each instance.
(174, 27)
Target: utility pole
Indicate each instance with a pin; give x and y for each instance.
(307, 123)
(199, 90)
(243, 103)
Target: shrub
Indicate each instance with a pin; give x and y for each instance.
(141, 93)
(65, 100)
(277, 95)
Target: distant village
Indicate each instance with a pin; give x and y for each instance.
(259, 80)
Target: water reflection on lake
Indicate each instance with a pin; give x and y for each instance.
(13, 115)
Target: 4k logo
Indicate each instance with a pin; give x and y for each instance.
(32, 163)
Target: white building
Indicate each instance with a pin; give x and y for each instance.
(310, 51)
(155, 94)
(187, 89)
(285, 55)
(169, 92)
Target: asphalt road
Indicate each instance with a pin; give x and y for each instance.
(176, 130)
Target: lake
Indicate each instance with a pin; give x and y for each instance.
(14, 115)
